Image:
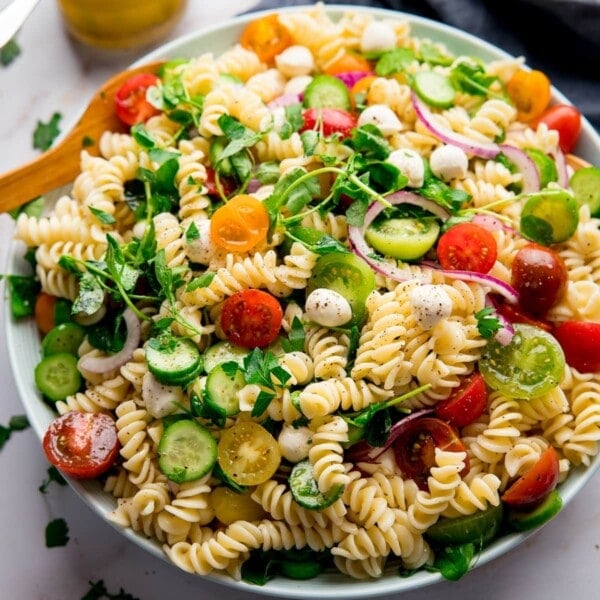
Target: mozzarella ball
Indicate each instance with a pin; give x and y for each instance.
(294, 442)
(160, 400)
(295, 61)
(297, 85)
(430, 304)
(378, 37)
(383, 117)
(449, 162)
(411, 164)
(327, 308)
(201, 249)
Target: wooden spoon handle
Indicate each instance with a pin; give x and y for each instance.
(61, 164)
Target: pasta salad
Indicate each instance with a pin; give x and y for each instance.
(331, 303)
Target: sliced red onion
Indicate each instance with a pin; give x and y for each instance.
(496, 285)
(104, 364)
(526, 166)
(403, 197)
(253, 185)
(285, 100)
(561, 167)
(470, 146)
(351, 77)
(505, 334)
(488, 222)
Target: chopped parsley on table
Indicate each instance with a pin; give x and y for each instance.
(45, 133)
(9, 52)
(16, 423)
(98, 591)
(57, 533)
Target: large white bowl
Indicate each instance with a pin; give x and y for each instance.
(23, 339)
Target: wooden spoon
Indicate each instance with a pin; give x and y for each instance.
(576, 163)
(61, 164)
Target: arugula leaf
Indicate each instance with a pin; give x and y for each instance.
(33, 208)
(53, 475)
(240, 136)
(471, 78)
(23, 290)
(386, 177)
(45, 133)
(454, 561)
(302, 187)
(355, 214)
(91, 294)
(9, 52)
(57, 533)
(394, 61)
(438, 191)
(102, 216)
(487, 322)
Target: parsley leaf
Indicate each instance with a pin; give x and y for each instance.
(9, 52)
(102, 216)
(45, 133)
(487, 322)
(369, 141)
(394, 61)
(16, 423)
(98, 591)
(57, 533)
(296, 337)
(293, 120)
(471, 78)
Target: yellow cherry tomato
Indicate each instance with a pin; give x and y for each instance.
(530, 92)
(266, 37)
(229, 506)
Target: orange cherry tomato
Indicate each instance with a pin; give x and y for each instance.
(348, 62)
(532, 487)
(360, 89)
(414, 448)
(240, 224)
(266, 37)
(82, 445)
(251, 318)
(43, 312)
(530, 91)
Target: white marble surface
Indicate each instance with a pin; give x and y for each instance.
(559, 561)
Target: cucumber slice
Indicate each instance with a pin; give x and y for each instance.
(546, 167)
(585, 184)
(186, 451)
(524, 521)
(222, 352)
(221, 390)
(434, 89)
(57, 376)
(326, 91)
(305, 490)
(66, 337)
(405, 238)
(480, 527)
(175, 362)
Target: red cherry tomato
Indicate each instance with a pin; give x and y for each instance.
(580, 341)
(566, 119)
(414, 448)
(514, 314)
(466, 404)
(467, 247)
(82, 445)
(329, 121)
(227, 184)
(540, 276)
(44, 312)
(131, 105)
(251, 318)
(532, 487)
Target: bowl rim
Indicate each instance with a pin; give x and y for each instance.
(23, 337)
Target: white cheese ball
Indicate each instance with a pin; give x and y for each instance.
(295, 61)
(297, 85)
(327, 308)
(160, 400)
(201, 249)
(430, 304)
(449, 162)
(383, 117)
(378, 37)
(410, 164)
(294, 442)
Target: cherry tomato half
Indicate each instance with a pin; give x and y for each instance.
(240, 224)
(515, 314)
(348, 62)
(530, 91)
(251, 318)
(467, 247)
(82, 445)
(565, 119)
(43, 312)
(266, 37)
(532, 487)
(227, 184)
(467, 402)
(329, 121)
(414, 448)
(540, 276)
(580, 341)
(131, 104)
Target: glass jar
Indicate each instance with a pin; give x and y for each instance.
(120, 24)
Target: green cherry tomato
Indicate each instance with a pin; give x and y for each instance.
(549, 217)
(406, 239)
(529, 366)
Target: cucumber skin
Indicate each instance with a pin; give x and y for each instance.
(165, 367)
(333, 93)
